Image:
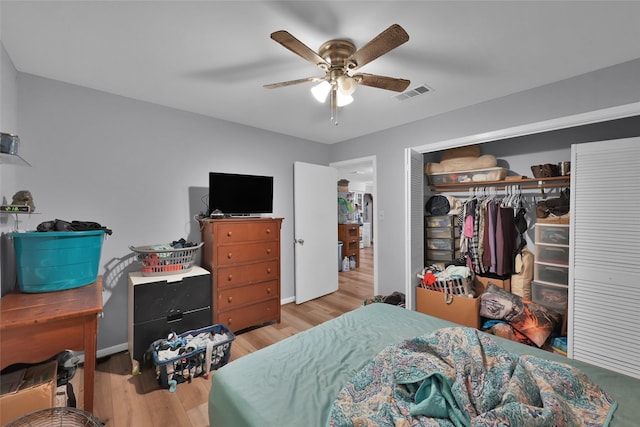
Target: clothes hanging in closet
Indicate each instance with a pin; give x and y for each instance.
(488, 236)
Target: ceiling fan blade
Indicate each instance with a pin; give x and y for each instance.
(293, 82)
(382, 82)
(296, 46)
(387, 40)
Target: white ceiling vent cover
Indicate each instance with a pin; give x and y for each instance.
(411, 93)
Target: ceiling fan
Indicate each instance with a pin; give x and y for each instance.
(338, 59)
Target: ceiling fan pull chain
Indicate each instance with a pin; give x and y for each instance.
(334, 104)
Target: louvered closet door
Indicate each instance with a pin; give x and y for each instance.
(604, 328)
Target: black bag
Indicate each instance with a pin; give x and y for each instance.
(437, 206)
(60, 225)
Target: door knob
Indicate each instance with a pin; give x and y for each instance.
(300, 241)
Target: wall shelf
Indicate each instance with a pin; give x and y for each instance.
(12, 159)
(524, 183)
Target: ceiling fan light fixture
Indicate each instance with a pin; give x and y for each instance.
(342, 99)
(321, 91)
(346, 85)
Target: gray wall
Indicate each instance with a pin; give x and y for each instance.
(8, 124)
(141, 170)
(614, 86)
(8, 93)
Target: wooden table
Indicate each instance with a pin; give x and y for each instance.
(36, 327)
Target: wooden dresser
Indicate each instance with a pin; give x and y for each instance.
(349, 235)
(243, 255)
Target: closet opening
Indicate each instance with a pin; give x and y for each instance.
(517, 150)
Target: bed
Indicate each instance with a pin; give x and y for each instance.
(296, 381)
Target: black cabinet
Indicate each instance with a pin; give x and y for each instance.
(159, 305)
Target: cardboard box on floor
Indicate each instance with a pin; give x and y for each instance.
(461, 309)
(37, 392)
(481, 284)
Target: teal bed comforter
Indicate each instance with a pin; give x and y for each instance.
(295, 381)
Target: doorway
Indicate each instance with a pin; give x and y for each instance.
(361, 174)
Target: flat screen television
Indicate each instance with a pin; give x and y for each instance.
(240, 195)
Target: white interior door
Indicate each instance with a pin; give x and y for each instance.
(316, 230)
(414, 225)
(604, 291)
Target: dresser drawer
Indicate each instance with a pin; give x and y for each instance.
(226, 277)
(147, 332)
(168, 300)
(246, 252)
(246, 232)
(236, 297)
(244, 317)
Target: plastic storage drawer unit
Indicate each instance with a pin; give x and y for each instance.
(443, 255)
(550, 296)
(443, 233)
(551, 273)
(552, 254)
(442, 244)
(554, 234)
(440, 221)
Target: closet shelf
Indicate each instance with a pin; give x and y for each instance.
(524, 183)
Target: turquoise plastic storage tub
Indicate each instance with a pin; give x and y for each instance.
(57, 260)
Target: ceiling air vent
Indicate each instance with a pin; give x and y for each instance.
(418, 90)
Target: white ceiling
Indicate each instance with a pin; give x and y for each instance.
(359, 173)
(212, 57)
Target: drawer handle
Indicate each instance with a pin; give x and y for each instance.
(229, 321)
(229, 255)
(268, 231)
(230, 299)
(230, 277)
(268, 290)
(174, 316)
(229, 233)
(269, 251)
(269, 270)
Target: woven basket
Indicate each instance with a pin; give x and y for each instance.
(452, 286)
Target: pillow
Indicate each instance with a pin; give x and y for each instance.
(496, 303)
(505, 330)
(536, 322)
(532, 320)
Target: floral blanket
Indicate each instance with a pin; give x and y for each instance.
(462, 377)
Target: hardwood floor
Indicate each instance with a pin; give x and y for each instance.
(123, 400)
